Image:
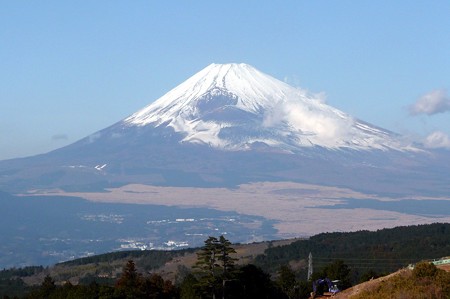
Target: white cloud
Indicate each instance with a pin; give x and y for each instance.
(321, 125)
(295, 82)
(321, 97)
(437, 139)
(436, 101)
(292, 80)
(315, 122)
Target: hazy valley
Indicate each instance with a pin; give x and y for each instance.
(47, 230)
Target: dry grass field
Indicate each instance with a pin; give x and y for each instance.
(299, 209)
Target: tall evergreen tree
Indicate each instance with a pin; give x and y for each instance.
(215, 264)
(129, 283)
(207, 266)
(226, 261)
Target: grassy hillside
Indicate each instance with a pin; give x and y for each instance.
(424, 281)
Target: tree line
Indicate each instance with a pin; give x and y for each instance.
(214, 275)
(279, 273)
(382, 251)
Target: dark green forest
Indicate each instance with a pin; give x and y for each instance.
(382, 251)
(281, 272)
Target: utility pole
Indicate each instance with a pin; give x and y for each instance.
(310, 266)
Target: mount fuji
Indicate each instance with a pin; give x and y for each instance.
(235, 107)
(231, 124)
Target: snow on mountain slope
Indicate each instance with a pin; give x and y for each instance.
(237, 107)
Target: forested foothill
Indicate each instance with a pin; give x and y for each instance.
(381, 251)
(217, 271)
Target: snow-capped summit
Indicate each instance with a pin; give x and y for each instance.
(235, 107)
(248, 89)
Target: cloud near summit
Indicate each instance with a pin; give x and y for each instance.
(436, 101)
(313, 122)
(437, 139)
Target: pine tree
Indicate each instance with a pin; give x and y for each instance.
(215, 265)
(130, 282)
(226, 261)
(207, 267)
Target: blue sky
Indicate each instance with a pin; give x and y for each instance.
(70, 68)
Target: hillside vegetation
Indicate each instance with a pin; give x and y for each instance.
(424, 281)
(280, 266)
(382, 251)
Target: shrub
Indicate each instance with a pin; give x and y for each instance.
(424, 270)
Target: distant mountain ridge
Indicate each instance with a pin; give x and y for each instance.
(231, 124)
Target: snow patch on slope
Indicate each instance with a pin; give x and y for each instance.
(231, 106)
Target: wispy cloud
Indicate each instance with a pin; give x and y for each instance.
(295, 82)
(58, 137)
(311, 120)
(437, 139)
(321, 97)
(436, 101)
(292, 80)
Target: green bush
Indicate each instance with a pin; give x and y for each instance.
(424, 269)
